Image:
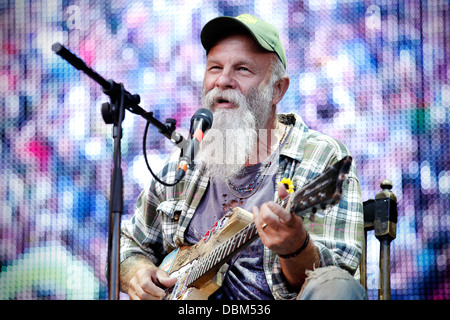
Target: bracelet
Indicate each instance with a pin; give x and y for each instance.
(296, 253)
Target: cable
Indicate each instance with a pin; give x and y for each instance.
(146, 161)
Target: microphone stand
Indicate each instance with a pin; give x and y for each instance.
(114, 113)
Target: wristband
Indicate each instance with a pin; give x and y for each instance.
(296, 253)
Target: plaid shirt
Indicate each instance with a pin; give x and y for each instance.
(163, 213)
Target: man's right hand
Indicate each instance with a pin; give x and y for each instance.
(150, 283)
(142, 280)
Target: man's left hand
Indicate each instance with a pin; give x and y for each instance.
(280, 230)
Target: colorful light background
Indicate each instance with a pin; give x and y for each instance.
(374, 74)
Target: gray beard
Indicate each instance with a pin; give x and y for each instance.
(233, 137)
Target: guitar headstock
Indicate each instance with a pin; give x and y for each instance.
(322, 191)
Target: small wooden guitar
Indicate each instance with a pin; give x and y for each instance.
(201, 268)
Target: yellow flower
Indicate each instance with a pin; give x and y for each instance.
(287, 184)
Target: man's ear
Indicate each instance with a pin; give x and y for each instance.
(279, 89)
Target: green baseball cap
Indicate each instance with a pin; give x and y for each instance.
(263, 32)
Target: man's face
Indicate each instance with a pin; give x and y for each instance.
(238, 91)
(237, 63)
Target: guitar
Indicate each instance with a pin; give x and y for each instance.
(200, 268)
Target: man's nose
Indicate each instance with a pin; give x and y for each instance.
(226, 80)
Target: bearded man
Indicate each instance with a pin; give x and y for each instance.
(247, 152)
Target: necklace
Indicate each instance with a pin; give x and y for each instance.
(253, 186)
(248, 188)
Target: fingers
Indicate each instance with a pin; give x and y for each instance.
(282, 192)
(145, 291)
(149, 284)
(276, 213)
(278, 229)
(273, 215)
(165, 280)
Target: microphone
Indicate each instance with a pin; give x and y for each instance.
(109, 87)
(201, 122)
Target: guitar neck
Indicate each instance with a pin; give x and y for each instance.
(223, 253)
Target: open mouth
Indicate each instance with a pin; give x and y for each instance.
(224, 103)
(224, 100)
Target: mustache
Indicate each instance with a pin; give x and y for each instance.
(219, 96)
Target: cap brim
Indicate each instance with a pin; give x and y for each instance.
(217, 28)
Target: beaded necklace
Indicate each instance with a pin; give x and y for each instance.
(253, 186)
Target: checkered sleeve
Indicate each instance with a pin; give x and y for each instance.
(142, 233)
(146, 231)
(338, 235)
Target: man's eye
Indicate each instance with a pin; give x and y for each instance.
(243, 69)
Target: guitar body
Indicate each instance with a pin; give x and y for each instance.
(181, 261)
